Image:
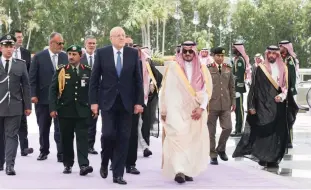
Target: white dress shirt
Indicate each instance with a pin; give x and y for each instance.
(17, 53)
(88, 58)
(275, 76)
(56, 57)
(188, 71)
(3, 60)
(115, 55)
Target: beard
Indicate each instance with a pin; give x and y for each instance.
(271, 60)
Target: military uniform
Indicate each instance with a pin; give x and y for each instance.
(14, 99)
(223, 98)
(239, 67)
(69, 98)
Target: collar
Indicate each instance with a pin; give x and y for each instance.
(115, 50)
(78, 66)
(51, 53)
(4, 59)
(18, 49)
(93, 54)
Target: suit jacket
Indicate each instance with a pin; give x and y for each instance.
(223, 96)
(26, 55)
(17, 83)
(41, 73)
(128, 86)
(84, 60)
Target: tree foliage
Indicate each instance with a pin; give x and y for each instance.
(258, 22)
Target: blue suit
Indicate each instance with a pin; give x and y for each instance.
(40, 77)
(116, 98)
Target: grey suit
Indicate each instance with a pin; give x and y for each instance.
(14, 90)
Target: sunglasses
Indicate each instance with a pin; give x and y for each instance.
(129, 44)
(190, 51)
(60, 43)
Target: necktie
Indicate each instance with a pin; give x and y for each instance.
(16, 54)
(91, 61)
(219, 69)
(119, 65)
(7, 62)
(54, 61)
(75, 71)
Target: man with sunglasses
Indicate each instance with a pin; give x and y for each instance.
(128, 41)
(42, 69)
(185, 92)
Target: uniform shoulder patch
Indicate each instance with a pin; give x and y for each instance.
(20, 60)
(59, 67)
(87, 66)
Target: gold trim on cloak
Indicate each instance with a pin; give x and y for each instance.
(61, 82)
(152, 76)
(264, 69)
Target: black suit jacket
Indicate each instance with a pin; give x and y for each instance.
(129, 85)
(84, 60)
(26, 55)
(41, 73)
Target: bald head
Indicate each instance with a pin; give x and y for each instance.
(117, 37)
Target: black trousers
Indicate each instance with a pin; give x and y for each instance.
(239, 114)
(133, 144)
(44, 121)
(2, 146)
(23, 134)
(92, 131)
(69, 127)
(116, 131)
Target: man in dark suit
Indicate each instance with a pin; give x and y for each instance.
(88, 59)
(14, 97)
(24, 54)
(120, 95)
(42, 69)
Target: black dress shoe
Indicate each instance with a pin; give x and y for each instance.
(214, 161)
(119, 180)
(27, 151)
(42, 156)
(1, 167)
(132, 170)
(180, 178)
(289, 145)
(84, 170)
(92, 151)
(103, 172)
(188, 178)
(272, 165)
(223, 156)
(60, 159)
(147, 152)
(67, 170)
(262, 163)
(10, 170)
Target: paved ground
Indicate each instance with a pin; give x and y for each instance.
(294, 171)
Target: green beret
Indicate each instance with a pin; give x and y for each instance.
(75, 48)
(219, 50)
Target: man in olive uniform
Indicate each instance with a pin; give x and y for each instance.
(14, 101)
(289, 58)
(69, 101)
(239, 69)
(221, 104)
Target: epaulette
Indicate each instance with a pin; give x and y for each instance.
(16, 59)
(59, 67)
(226, 65)
(86, 66)
(211, 65)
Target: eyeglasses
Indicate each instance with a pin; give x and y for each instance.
(190, 51)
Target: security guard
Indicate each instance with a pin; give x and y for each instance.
(221, 104)
(14, 101)
(239, 68)
(69, 101)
